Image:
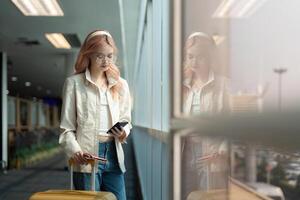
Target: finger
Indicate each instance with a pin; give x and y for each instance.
(78, 161)
(123, 136)
(80, 158)
(114, 132)
(120, 136)
(114, 69)
(87, 156)
(121, 129)
(113, 72)
(122, 140)
(118, 130)
(83, 159)
(123, 133)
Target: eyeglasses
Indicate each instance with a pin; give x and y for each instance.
(100, 56)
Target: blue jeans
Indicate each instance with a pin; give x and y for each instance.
(109, 176)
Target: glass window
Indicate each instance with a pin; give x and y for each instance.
(236, 58)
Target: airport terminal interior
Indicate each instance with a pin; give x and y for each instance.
(204, 93)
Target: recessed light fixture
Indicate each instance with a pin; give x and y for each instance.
(27, 84)
(39, 7)
(14, 78)
(39, 88)
(58, 40)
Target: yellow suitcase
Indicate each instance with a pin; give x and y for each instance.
(72, 195)
(75, 194)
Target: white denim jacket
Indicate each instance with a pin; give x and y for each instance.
(80, 116)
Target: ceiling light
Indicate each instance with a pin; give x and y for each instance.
(58, 40)
(14, 78)
(237, 8)
(27, 84)
(39, 7)
(251, 8)
(224, 9)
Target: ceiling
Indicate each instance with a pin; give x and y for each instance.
(43, 65)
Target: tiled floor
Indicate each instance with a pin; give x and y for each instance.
(20, 184)
(50, 174)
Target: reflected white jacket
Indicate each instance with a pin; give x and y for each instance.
(214, 97)
(80, 116)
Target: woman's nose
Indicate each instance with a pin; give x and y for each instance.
(105, 61)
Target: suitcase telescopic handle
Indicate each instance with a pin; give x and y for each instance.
(93, 163)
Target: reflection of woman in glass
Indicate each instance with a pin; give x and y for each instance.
(94, 99)
(203, 93)
(203, 89)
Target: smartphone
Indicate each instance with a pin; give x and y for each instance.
(93, 157)
(119, 125)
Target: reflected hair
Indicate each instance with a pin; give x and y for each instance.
(199, 38)
(196, 38)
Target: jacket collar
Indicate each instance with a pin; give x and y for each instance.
(88, 79)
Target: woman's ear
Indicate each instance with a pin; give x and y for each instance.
(86, 62)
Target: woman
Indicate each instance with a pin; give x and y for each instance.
(204, 93)
(199, 77)
(94, 99)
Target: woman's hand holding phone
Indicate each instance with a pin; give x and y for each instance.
(89, 156)
(83, 158)
(80, 158)
(119, 133)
